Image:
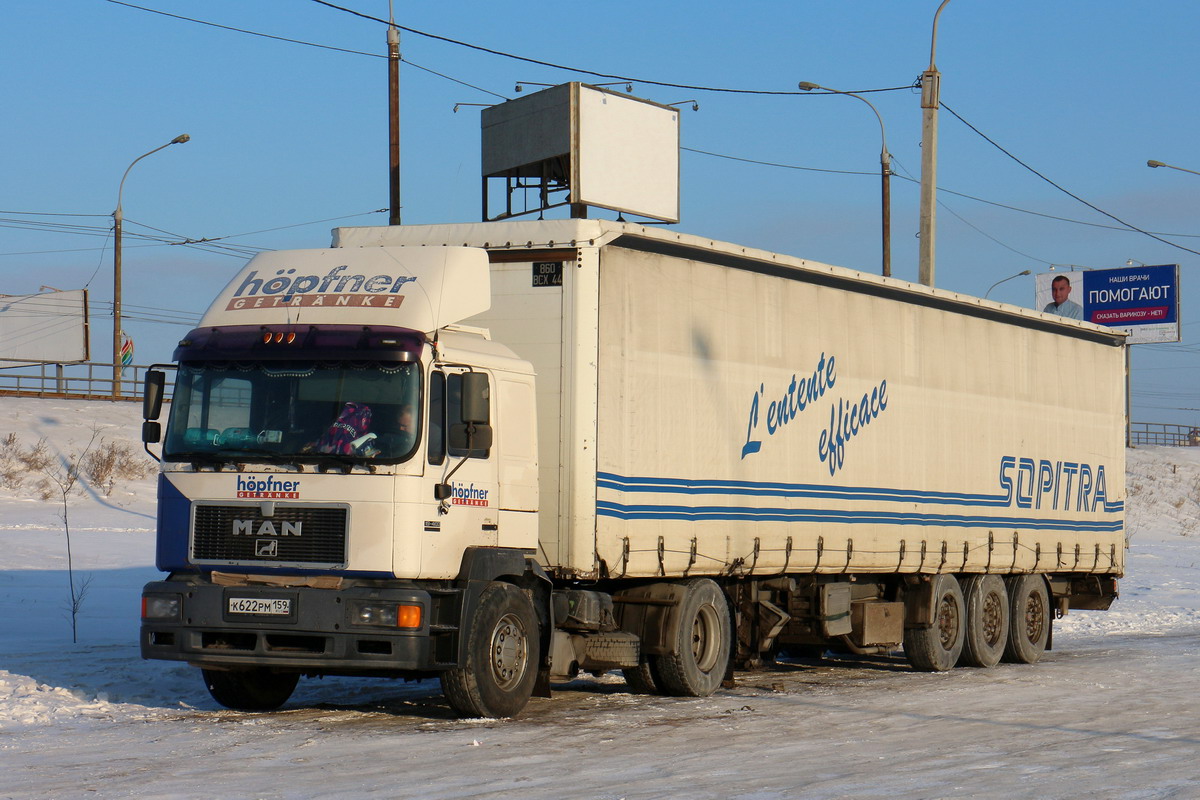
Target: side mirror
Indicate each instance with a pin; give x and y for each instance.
(441, 491)
(152, 397)
(471, 437)
(475, 396)
(151, 432)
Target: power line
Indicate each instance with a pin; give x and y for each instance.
(248, 32)
(910, 179)
(963, 220)
(1044, 215)
(207, 244)
(297, 225)
(307, 44)
(552, 65)
(52, 214)
(774, 163)
(1060, 188)
(482, 49)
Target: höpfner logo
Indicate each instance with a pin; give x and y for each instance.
(268, 488)
(468, 495)
(333, 289)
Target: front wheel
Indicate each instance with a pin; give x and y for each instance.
(255, 689)
(502, 651)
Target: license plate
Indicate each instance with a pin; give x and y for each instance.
(280, 606)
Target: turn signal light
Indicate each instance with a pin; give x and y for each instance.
(408, 617)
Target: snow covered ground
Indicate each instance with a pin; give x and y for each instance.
(1111, 712)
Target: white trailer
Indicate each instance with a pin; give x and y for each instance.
(725, 454)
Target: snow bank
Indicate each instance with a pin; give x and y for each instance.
(1108, 713)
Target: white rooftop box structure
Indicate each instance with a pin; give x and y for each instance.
(603, 148)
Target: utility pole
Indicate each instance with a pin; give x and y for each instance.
(118, 220)
(931, 89)
(393, 39)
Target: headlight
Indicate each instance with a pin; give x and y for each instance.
(161, 606)
(387, 615)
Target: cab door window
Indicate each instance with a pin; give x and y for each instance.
(445, 411)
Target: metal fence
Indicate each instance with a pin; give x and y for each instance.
(88, 381)
(1164, 433)
(94, 381)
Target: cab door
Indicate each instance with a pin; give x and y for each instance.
(470, 516)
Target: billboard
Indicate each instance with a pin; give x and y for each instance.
(609, 150)
(1142, 302)
(51, 327)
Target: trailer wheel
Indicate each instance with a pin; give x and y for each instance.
(700, 643)
(987, 620)
(936, 648)
(498, 678)
(1029, 619)
(255, 689)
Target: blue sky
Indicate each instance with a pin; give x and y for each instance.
(286, 137)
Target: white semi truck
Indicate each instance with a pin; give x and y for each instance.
(503, 453)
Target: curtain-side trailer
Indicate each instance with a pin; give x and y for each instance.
(627, 448)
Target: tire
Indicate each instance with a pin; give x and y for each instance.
(255, 689)
(641, 679)
(502, 654)
(937, 647)
(700, 643)
(1029, 619)
(987, 621)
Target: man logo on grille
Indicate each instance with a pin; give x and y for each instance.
(266, 548)
(247, 527)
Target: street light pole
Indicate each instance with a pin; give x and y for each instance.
(118, 219)
(1170, 166)
(885, 168)
(931, 83)
(1009, 278)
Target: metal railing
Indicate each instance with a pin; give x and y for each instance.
(1150, 433)
(88, 380)
(93, 381)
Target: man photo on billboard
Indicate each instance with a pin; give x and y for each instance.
(1060, 290)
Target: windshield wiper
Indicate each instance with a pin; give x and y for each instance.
(348, 463)
(199, 459)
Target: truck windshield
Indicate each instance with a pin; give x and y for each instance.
(294, 411)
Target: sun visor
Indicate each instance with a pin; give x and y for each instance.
(421, 288)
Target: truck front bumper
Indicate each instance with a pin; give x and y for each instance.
(316, 631)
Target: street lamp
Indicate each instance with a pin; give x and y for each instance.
(1170, 166)
(885, 170)
(1009, 278)
(931, 83)
(118, 217)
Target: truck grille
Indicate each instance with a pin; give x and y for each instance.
(308, 535)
